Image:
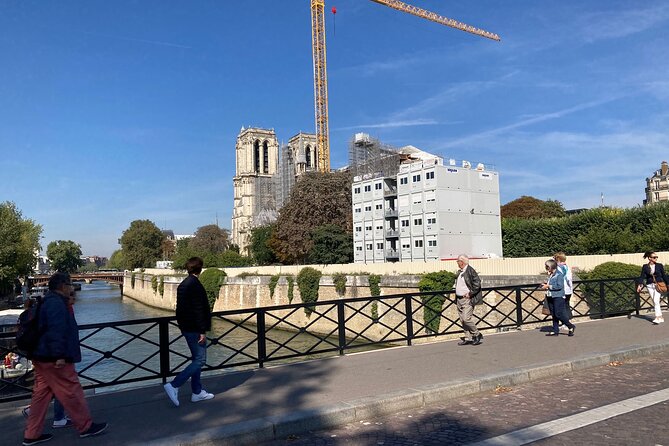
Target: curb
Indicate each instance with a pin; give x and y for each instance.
(278, 427)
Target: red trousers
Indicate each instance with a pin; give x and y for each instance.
(64, 384)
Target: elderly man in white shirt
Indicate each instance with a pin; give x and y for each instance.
(467, 294)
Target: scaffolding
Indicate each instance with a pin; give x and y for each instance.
(284, 179)
(369, 156)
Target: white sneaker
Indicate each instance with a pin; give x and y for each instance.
(656, 320)
(203, 395)
(660, 320)
(65, 422)
(172, 393)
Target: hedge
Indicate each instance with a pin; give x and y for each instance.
(439, 281)
(594, 231)
(619, 297)
(308, 281)
(212, 279)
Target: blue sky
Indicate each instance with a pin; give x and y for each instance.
(124, 110)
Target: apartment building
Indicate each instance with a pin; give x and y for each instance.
(657, 186)
(428, 211)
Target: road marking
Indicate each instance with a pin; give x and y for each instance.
(577, 421)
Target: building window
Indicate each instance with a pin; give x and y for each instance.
(358, 229)
(358, 210)
(416, 178)
(368, 188)
(657, 184)
(657, 196)
(370, 246)
(379, 228)
(265, 151)
(368, 228)
(432, 243)
(431, 221)
(379, 206)
(417, 200)
(356, 190)
(429, 176)
(404, 180)
(406, 246)
(417, 221)
(418, 243)
(368, 208)
(378, 186)
(405, 223)
(379, 246)
(358, 248)
(256, 156)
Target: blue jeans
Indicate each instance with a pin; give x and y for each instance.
(58, 410)
(199, 358)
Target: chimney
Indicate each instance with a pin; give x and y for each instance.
(664, 168)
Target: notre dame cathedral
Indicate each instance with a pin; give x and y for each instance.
(263, 179)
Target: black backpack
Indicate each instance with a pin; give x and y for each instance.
(28, 333)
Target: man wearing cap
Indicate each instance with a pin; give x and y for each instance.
(53, 360)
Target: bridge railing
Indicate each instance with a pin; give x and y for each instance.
(121, 353)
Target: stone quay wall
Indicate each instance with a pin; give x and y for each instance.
(248, 292)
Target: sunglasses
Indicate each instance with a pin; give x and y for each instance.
(652, 257)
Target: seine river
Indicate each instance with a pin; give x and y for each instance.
(101, 302)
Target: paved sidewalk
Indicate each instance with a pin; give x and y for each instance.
(270, 403)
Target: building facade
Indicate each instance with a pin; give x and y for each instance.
(427, 211)
(257, 159)
(657, 186)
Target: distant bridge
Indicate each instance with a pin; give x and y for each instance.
(111, 277)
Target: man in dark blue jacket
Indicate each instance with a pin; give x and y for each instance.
(194, 319)
(54, 358)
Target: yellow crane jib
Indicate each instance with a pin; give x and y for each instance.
(320, 63)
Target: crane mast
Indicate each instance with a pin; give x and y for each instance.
(320, 65)
(320, 83)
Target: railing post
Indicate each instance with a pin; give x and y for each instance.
(602, 302)
(164, 346)
(409, 315)
(637, 301)
(341, 326)
(262, 344)
(519, 308)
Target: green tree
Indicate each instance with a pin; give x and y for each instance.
(331, 244)
(210, 239)
(530, 207)
(232, 258)
(19, 243)
(141, 244)
(64, 255)
(260, 250)
(116, 261)
(88, 267)
(317, 199)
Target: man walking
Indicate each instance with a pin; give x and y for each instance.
(194, 319)
(53, 360)
(467, 294)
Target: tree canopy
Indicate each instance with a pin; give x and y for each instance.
(116, 260)
(317, 199)
(259, 247)
(530, 207)
(331, 244)
(141, 244)
(19, 243)
(64, 255)
(210, 239)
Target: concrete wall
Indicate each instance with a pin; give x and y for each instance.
(526, 266)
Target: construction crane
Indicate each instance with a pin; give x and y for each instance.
(320, 63)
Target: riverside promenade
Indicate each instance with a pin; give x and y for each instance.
(264, 404)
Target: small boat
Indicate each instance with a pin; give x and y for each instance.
(15, 366)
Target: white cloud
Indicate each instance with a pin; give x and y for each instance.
(612, 25)
(392, 124)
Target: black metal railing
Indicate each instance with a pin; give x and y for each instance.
(122, 353)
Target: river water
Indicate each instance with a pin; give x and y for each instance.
(101, 302)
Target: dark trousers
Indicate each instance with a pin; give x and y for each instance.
(558, 307)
